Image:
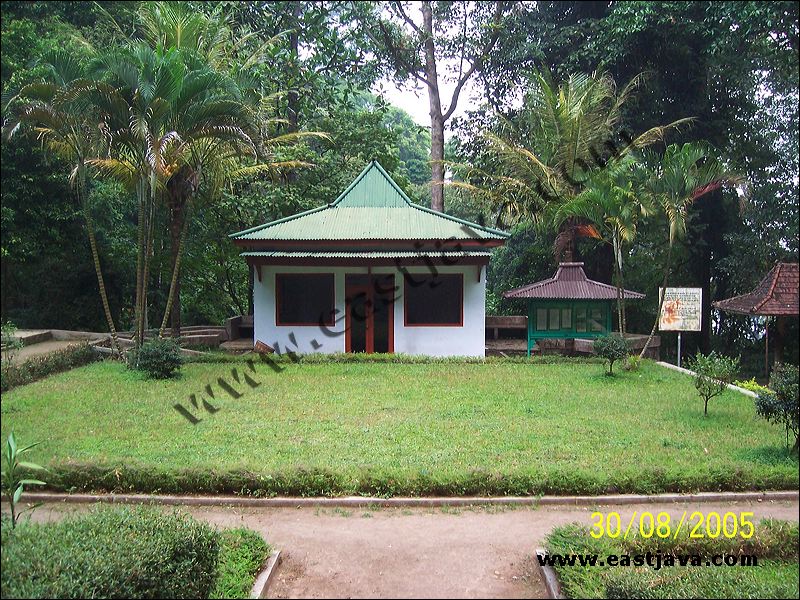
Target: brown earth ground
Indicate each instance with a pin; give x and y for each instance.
(480, 552)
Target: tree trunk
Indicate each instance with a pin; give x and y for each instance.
(293, 96)
(138, 313)
(618, 280)
(179, 224)
(84, 202)
(660, 302)
(437, 118)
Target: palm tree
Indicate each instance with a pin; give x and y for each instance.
(164, 114)
(60, 116)
(545, 156)
(212, 43)
(612, 205)
(681, 176)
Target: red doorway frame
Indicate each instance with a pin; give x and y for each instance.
(352, 290)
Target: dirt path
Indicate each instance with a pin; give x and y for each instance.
(404, 553)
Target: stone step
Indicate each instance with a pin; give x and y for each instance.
(29, 337)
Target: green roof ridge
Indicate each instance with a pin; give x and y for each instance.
(374, 164)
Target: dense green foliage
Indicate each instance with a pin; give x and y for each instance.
(160, 358)
(37, 367)
(111, 553)
(611, 348)
(775, 543)
(447, 427)
(781, 403)
(242, 554)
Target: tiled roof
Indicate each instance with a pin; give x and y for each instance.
(776, 295)
(570, 283)
(373, 207)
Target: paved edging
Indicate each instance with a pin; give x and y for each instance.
(549, 576)
(264, 578)
(405, 502)
(735, 388)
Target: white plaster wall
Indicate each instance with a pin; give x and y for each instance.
(467, 340)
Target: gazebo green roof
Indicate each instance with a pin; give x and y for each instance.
(373, 207)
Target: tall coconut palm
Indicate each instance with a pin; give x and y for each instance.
(59, 114)
(612, 205)
(545, 155)
(681, 176)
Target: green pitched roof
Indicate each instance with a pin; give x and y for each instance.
(373, 207)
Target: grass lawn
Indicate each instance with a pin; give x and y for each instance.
(370, 428)
(774, 544)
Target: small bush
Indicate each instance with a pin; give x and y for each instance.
(713, 373)
(242, 553)
(160, 358)
(634, 363)
(781, 404)
(612, 348)
(111, 553)
(38, 367)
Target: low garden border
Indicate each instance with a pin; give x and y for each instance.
(407, 502)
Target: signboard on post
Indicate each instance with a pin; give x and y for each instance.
(682, 310)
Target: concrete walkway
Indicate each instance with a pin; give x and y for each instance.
(26, 352)
(420, 552)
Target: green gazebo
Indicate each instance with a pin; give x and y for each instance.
(569, 305)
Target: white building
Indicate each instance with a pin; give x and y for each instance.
(370, 272)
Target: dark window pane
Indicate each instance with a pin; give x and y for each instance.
(566, 318)
(433, 300)
(304, 299)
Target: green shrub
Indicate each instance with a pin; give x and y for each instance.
(111, 553)
(9, 341)
(160, 358)
(612, 348)
(751, 385)
(781, 404)
(712, 374)
(242, 553)
(38, 367)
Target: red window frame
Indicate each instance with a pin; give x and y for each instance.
(461, 305)
(331, 318)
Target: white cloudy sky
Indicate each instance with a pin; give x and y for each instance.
(414, 99)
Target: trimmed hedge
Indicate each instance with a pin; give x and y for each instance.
(111, 553)
(39, 367)
(74, 477)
